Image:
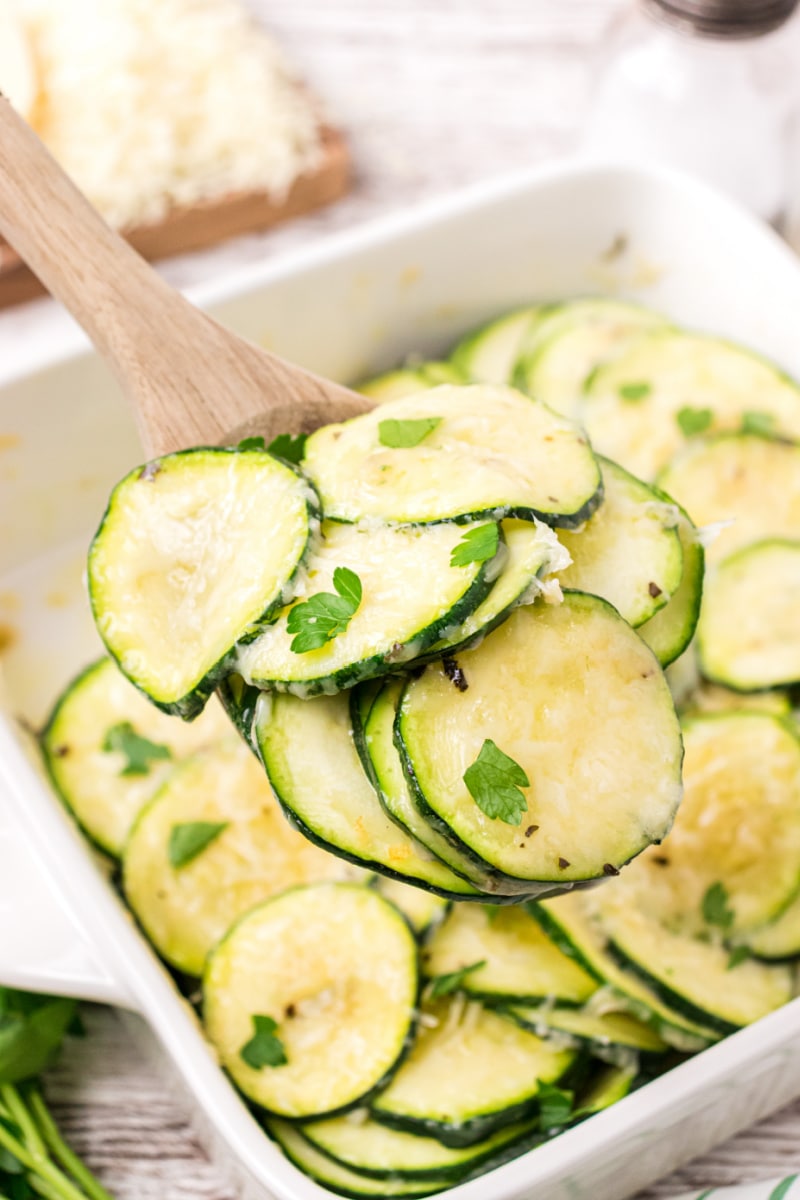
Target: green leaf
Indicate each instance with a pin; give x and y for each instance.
(761, 423)
(477, 545)
(635, 391)
(252, 443)
(739, 954)
(32, 1029)
(289, 447)
(694, 420)
(324, 616)
(264, 1049)
(494, 781)
(138, 750)
(188, 840)
(555, 1105)
(445, 985)
(715, 907)
(9, 1163)
(402, 435)
(782, 1189)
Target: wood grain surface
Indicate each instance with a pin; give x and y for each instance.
(432, 95)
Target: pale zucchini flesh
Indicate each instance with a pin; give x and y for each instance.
(185, 910)
(406, 380)
(410, 592)
(569, 683)
(609, 1036)
(780, 939)
(469, 1072)
(320, 1167)
(632, 407)
(494, 453)
(422, 910)
(490, 354)
(629, 551)
(91, 780)
(520, 962)
(335, 966)
(188, 559)
(712, 697)
(669, 631)
(748, 633)
(308, 751)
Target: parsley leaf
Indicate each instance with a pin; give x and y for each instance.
(635, 391)
(762, 423)
(402, 435)
(188, 840)
(289, 447)
(252, 443)
(138, 750)
(477, 545)
(715, 907)
(445, 985)
(323, 617)
(31, 1031)
(264, 1049)
(494, 781)
(693, 420)
(739, 954)
(555, 1105)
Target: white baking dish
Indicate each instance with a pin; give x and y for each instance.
(355, 305)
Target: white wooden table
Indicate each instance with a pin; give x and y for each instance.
(434, 94)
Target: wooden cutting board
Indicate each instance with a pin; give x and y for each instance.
(208, 222)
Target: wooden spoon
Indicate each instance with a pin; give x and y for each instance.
(191, 382)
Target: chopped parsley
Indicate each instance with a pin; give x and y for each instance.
(693, 420)
(402, 435)
(324, 616)
(738, 955)
(633, 392)
(555, 1105)
(761, 423)
(289, 447)
(139, 751)
(494, 781)
(190, 839)
(445, 985)
(252, 443)
(478, 544)
(715, 907)
(264, 1049)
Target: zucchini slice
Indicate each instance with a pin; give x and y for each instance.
(335, 966)
(747, 480)
(374, 741)
(520, 962)
(469, 1072)
(186, 909)
(615, 1037)
(629, 551)
(372, 1149)
(577, 700)
(713, 698)
(492, 453)
(406, 380)
(421, 909)
(737, 831)
(489, 354)
(748, 634)
(308, 751)
(530, 553)
(299, 1150)
(671, 629)
(780, 939)
(105, 789)
(410, 593)
(188, 559)
(575, 929)
(671, 385)
(572, 341)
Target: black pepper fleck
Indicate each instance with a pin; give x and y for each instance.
(60, 751)
(609, 869)
(563, 863)
(660, 860)
(454, 673)
(531, 829)
(654, 590)
(290, 1010)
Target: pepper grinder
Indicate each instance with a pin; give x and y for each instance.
(708, 86)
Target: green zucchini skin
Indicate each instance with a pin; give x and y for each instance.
(239, 700)
(490, 353)
(670, 630)
(404, 381)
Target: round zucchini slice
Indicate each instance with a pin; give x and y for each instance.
(489, 354)
(308, 750)
(503, 954)
(669, 386)
(748, 633)
(748, 481)
(629, 551)
(456, 454)
(108, 750)
(406, 380)
(331, 970)
(187, 891)
(408, 592)
(188, 559)
(780, 939)
(569, 725)
(713, 698)
(671, 629)
(611, 1036)
(320, 1167)
(469, 1072)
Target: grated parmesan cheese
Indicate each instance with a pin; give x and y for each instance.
(150, 104)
